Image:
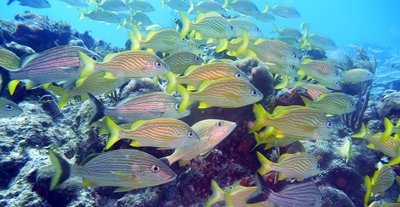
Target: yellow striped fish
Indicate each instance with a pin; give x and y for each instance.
(293, 121)
(226, 93)
(126, 169)
(167, 40)
(313, 90)
(298, 166)
(8, 59)
(390, 129)
(240, 25)
(127, 64)
(57, 64)
(95, 84)
(237, 196)
(382, 180)
(267, 137)
(142, 107)
(207, 25)
(195, 75)
(356, 75)
(332, 103)
(179, 61)
(390, 147)
(165, 133)
(319, 69)
(211, 132)
(300, 194)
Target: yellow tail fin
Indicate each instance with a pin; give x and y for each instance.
(265, 164)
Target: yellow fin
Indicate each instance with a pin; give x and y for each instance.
(87, 182)
(12, 86)
(217, 194)
(137, 124)
(114, 133)
(203, 105)
(89, 64)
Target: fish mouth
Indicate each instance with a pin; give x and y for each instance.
(171, 176)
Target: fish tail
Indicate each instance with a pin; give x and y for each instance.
(10, 1)
(262, 192)
(259, 140)
(89, 64)
(225, 4)
(368, 184)
(185, 97)
(266, 8)
(283, 83)
(262, 117)
(64, 95)
(135, 45)
(217, 194)
(265, 164)
(61, 168)
(223, 45)
(5, 80)
(388, 130)
(114, 133)
(81, 14)
(275, 30)
(97, 107)
(162, 3)
(395, 160)
(361, 134)
(306, 101)
(244, 44)
(185, 24)
(191, 8)
(171, 82)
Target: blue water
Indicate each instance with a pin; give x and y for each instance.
(346, 22)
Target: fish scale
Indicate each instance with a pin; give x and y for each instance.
(293, 166)
(300, 195)
(383, 180)
(274, 51)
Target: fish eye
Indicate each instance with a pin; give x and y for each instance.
(159, 64)
(231, 27)
(322, 198)
(253, 92)
(257, 29)
(328, 124)
(238, 75)
(9, 107)
(94, 58)
(317, 165)
(176, 106)
(155, 168)
(294, 55)
(190, 134)
(337, 82)
(369, 74)
(293, 67)
(337, 74)
(219, 124)
(353, 104)
(196, 58)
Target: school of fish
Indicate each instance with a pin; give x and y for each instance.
(152, 119)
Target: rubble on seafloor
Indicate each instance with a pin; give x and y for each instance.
(24, 140)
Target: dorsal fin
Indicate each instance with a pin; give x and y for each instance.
(88, 159)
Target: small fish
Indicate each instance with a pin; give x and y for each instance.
(130, 64)
(237, 196)
(225, 93)
(57, 64)
(332, 103)
(195, 75)
(241, 25)
(211, 132)
(142, 107)
(267, 137)
(382, 180)
(207, 25)
(141, 18)
(167, 40)
(289, 70)
(77, 3)
(100, 15)
(39, 4)
(293, 122)
(8, 59)
(390, 147)
(140, 5)
(206, 6)
(304, 194)
(285, 11)
(179, 61)
(112, 5)
(265, 17)
(126, 169)
(289, 40)
(180, 5)
(166, 133)
(390, 129)
(273, 51)
(346, 150)
(245, 7)
(298, 166)
(393, 61)
(313, 90)
(286, 31)
(356, 75)
(95, 84)
(9, 108)
(317, 42)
